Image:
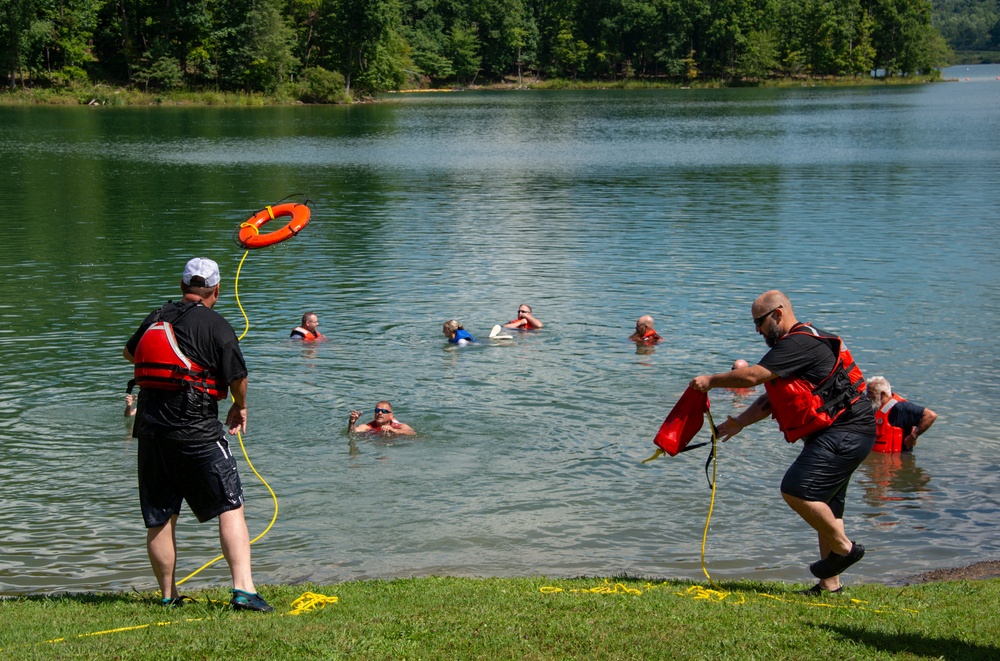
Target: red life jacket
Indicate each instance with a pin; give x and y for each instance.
(802, 408)
(651, 337)
(527, 324)
(307, 335)
(160, 364)
(887, 437)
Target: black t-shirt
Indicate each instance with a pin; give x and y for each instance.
(905, 415)
(812, 358)
(205, 337)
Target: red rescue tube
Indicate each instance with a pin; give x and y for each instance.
(683, 422)
(249, 235)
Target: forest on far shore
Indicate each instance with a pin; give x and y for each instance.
(333, 50)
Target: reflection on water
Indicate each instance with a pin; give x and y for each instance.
(894, 477)
(874, 208)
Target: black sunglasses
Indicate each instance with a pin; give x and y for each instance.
(378, 410)
(759, 321)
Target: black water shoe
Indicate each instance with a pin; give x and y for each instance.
(834, 564)
(249, 601)
(817, 591)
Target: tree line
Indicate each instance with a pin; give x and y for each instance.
(970, 25)
(322, 48)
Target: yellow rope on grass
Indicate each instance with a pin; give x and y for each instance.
(310, 601)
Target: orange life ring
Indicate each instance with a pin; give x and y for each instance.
(249, 235)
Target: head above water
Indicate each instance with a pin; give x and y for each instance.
(310, 321)
(643, 324)
(383, 413)
(739, 363)
(878, 390)
(451, 327)
(523, 309)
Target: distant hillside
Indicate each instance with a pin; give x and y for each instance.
(968, 25)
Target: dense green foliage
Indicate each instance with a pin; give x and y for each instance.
(528, 618)
(255, 46)
(969, 24)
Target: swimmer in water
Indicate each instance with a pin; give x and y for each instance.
(644, 331)
(456, 334)
(525, 320)
(382, 423)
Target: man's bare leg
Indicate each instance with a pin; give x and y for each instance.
(235, 540)
(161, 546)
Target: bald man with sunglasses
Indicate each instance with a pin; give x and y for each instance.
(816, 393)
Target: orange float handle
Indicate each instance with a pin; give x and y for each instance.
(248, 235)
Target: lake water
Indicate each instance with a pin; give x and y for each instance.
(874, 208)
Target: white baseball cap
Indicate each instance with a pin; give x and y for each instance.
(204, 268)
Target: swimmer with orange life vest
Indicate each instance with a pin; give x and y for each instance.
(383, 422)
(525, 320)
(309, 330)
(898, 422)
(644, 331)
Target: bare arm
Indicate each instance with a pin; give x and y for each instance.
(926, 420)
(236, 419)
(744, 377)
(517, 323)
(760, 409)
(128, 356)
(352, 423)
(534, 322)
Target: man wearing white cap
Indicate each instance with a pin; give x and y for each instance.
(187, 358)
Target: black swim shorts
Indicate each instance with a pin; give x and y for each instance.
(203, 474)
(823, 469)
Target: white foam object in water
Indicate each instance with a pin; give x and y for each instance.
(495, 334)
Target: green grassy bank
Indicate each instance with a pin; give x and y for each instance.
(528, 618)
(103, 95)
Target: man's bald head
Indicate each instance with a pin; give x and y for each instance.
(770, 300)
(773, 316)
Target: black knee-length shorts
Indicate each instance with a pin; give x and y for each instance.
(171, 471)
(823, 469)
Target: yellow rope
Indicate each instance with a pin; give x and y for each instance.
(310, 601)
(711, 502)
(274, 497)
(307, 602)
(701, 593)
(236, 292)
